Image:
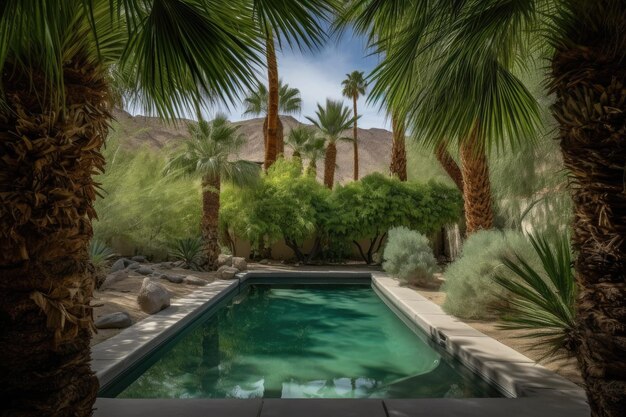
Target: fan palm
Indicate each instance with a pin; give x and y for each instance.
(289, 102)
(58, 61)
(299, 139)
(206, 155)
(454, 66)
(314, 151)
(354, 86)
(332, 121)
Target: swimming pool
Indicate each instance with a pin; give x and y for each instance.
(300, 341)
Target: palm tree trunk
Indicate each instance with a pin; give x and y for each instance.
(589, 81)
(46, 207)
(398, 150)
(210, 220)
(271, 145)
(329, 165)
(476, 185)
(356, 142)
(280, 140)
(449, 165)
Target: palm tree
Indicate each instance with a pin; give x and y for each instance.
(289, 102)
(300, 139)
(398, 150)
(332, 121)
(449, 165)
(470, 49)
(59, 60)
(314, 151)
(206, 155)
(353, 86)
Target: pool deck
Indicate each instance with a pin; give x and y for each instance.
(533, 389)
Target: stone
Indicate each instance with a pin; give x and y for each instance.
(227, 272)
(224, 260)
(138, 258)
(240, 263)
(111, 279)
(153, 297)
(145, 270)
(119, 320)
(193, 280)
(134, 265)
(119, 265)
(264, 261)
(166, 265)
(173, 278)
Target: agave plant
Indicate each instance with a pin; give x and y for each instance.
(99, 253)
(189, 251)
(542, 301)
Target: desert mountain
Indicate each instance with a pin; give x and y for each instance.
(374, 144)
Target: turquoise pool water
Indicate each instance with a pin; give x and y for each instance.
(304, 342)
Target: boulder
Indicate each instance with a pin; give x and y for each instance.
(119, 320)
(224, 260)
(193, 280)
(138, 258)
(240, 263)
(134, 265)
(113, 278)
(173, 278)
(166, 265)
(143, 270)
(153, 297)
(119, 265)
(227, 272)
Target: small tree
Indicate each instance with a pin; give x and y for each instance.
(206, 154)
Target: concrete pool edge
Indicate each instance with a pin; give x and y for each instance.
(512, 372)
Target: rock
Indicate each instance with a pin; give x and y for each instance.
(264, 261)
(240, 263)
(166, 265)
(138, 258)
(119, 265)
(134, 265)
(193, 280)
(173, 278)
(152, 297)
(119, 320)
(224, 260)
(145, 270)
(113, 278)
(227, 272)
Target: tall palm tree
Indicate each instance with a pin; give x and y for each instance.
(332, 121)
(289, 102)
(471, 49)
(354, 86)
(58, 59)
(398, 150)
(206, 154)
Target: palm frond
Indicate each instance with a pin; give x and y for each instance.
(332, 120)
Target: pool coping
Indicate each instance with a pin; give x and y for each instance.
(515, 374)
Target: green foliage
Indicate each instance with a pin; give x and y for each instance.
(289, 101)
(141, 211)
(99, 253)
(354, 85)
(471, 291)
(189, 251)
(371, 206)
(542, 298)
(409, 257)
(286, 205)
(333, 120)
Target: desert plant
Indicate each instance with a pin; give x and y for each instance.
(99, 253)
(471, 291)
(409, 257)
(542, 299)
(188, 251)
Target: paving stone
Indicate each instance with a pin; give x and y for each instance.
(322, 408)
(113, 407)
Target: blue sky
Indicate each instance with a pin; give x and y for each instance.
(318, 75)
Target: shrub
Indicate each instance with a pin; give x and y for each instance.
(189, 251)
(471, 291)
(409, 257)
